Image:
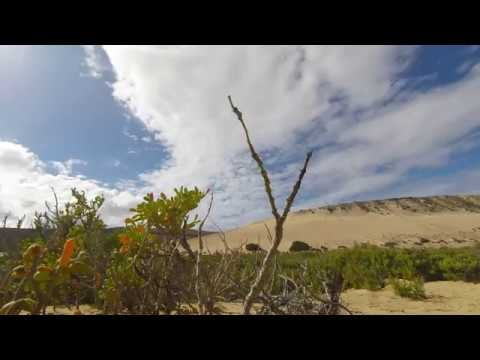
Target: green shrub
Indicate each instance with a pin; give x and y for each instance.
(253, 247)
(299, 246)
(412, 289)
(369, 267)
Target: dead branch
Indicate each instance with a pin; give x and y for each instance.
(5, 218)
(256, 157)
(269, 234)
(198, 277)
(279, 219)
(222, 236)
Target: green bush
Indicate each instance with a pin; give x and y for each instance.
(369, 267)
(253, 247)
(412, 289)
(299, 246)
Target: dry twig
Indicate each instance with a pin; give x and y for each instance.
(258, 284)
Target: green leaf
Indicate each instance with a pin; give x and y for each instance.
(42, 276)
(79, 267)
(15, 307)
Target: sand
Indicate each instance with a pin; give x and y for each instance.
(443, 298)
(452, 221)
(410, 224)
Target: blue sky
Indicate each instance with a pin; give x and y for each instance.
(55, 109)
(120, 120)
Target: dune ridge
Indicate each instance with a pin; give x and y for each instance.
(404, 222)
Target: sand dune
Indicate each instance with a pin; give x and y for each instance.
(428, 221)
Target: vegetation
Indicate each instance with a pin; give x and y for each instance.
(150, 268)
(370, 267)
(412, 289)
(280, 217)
(299, 246)
(253, 247)
(61, 267)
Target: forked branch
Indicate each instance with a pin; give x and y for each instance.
(259, 282)
(256, 157)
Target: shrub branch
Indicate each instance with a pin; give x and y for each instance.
(259, 282)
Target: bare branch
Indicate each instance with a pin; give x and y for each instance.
(256, 157)
(259, 282)
(5, 218)
(269, 234)
(20, 222)
(221, 235)
(198, 289)
(296, 187)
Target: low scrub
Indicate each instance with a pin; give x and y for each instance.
(370, 267)
(412, 289)
(299, 246)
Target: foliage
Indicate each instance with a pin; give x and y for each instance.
(61, 263)
(253, 247)
(149, 268)
(299, 246)
(168, 214)
(370, 267)
(149, 273)
(412, 289)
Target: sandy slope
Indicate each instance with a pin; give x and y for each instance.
(434, 221)
(443, 297)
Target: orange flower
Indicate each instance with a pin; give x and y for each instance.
(98, 280)
(67, 252)
(126, 242)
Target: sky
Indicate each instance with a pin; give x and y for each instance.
(383, 121)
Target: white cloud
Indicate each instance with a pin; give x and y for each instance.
(180, 94)
(293, 98)
(129, 134)
(347, 102)
(26, 184)
(66, 168)
(95, 61)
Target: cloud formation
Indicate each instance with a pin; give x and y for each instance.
(27, 182)
(347, 102)
(352, 104)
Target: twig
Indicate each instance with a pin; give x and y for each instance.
(256, 157)
(270, 238)
(279, 220)
(199, 273)
(222, 236)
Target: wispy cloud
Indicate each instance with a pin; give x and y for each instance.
(95, 61)
(66, 167)
(128, 134)
(353, 104)
(26, 185)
